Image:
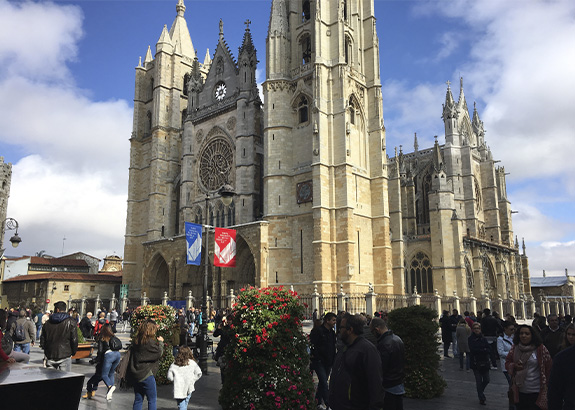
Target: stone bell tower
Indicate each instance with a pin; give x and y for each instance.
(325, 178)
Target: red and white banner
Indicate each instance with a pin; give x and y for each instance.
(225, 248)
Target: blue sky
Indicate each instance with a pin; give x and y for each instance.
(67, 85)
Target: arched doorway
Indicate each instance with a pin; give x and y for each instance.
(158, 279)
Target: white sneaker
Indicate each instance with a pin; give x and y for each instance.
(110, 392)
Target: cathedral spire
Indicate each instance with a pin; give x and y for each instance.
(449, 108)
(180, 34)
(462, 103)
(148, 57)
(278, 19)
(415, 144)
(248, 44)
(437, 161)
(207, 58)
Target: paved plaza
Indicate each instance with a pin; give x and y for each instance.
(459, 394)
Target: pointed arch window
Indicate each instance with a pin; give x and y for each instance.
(184, 115)
(231, 215)
(302, 109)
(305, 45)
(348, 55)
(151, 90)
(351, 111)
(198, 217)
(344, 5)
(149, 122)
(419, 273)
(425, 189)
(305, 10)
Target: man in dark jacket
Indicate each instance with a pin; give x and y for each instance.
(491, 328)
(356, 381)
(561, 395)
(553, 335)
(392, 353)
(322, 343)
(23, 333)
(59, 339)
(86, 326)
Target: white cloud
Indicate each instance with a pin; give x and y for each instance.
(553, 257)
(72, 179)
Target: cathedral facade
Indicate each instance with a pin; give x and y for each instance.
(319, 203)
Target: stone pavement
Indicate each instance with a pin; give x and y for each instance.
(460, 393)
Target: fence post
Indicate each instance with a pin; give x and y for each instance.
(415, 297)
(165, 299)
(83, 306)
(456, 304)
(143, 299)
(487, 302)
(231, 298)
(523, 310)
(97, 306)
(568, 307)
(370, 301)
(438, 303)
(124, 303)
(500, 305)
(512, 302)
(189, 300)
(112, 302)
(473, 303)
(341, 299)
(315, 301)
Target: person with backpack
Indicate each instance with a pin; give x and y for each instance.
(191, 319)
(38, 323)
(107, 360)
(100, 323)
(23, 333)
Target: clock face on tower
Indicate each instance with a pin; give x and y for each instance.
(220, 91)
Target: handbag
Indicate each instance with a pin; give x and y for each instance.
(7, 344)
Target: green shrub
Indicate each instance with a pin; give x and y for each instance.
(165, 317)
(417, 328)
(268, 363)
(80, 336)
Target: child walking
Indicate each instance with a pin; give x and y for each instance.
(184, 372)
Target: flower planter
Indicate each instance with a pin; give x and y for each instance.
(84, 351)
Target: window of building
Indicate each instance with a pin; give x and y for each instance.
(66, 288)
(419, 274)
(347, 50)
(351, 111)
(302, 109)
(305, 45)
(184, 115)
(345, 9)
(25, 287)
(92, 288)
(306, 11)
(149, 123)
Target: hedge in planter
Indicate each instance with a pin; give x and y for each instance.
(268, 363)
(417, 328)
(165, 318)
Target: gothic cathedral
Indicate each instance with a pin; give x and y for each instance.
(319, 204)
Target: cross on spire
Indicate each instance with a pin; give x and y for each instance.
(448, 83)
(247, 23)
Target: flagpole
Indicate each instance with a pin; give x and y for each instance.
(227, 193)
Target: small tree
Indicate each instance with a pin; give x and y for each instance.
(268, 363)
(418, 330)
(165, 318)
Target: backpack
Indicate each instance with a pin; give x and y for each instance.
(115, 344)
(19, 334)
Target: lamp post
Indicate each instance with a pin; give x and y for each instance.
(227, 193)
(10, 224)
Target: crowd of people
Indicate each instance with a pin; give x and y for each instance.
(531, 356)
(358, 360)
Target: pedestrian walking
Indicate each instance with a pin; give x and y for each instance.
(392, 353)
(529, 364)
(479, 350)
(553, 335)
(561, 394)
(462, 335)
(184, 372)
(491, 329)
(356, 381)
(144, 362)
(569, 336)
(446, 337)
(23, 333)
(322, 354)
(107, 359)
(59, 339)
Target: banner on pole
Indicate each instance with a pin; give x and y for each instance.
(225, 248)
(193, 243)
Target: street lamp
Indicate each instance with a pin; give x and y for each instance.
(12, 225)
(227, 194)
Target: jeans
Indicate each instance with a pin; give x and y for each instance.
(466, 360)
(183, 403)
(92, 384)
(22, 347)
(492, 340)
(481, 382)
(145, 388)
(322, 392)
(38, 332)
(62, 364)
(191, 329)
(111, 361)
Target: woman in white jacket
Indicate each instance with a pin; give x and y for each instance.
(184, 372)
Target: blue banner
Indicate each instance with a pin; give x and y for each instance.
(193, 243)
